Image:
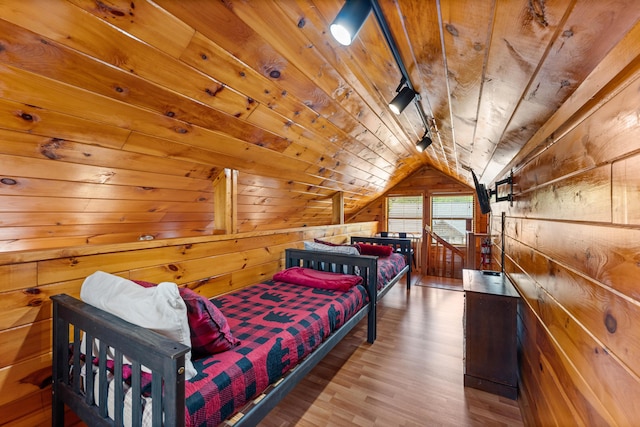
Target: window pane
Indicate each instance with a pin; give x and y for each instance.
(453, 207)
(405, 207)
(452, 230)
(405, 225)
(449, 216)
(405, 214)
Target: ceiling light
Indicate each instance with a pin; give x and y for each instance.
(349, 20)
(424, 143)
(345, 27)
(402, 99)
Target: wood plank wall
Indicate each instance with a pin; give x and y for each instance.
(572, 245)
(58, 192)
(209, 265)
(89, 157)
(118, 107)
(266, 203)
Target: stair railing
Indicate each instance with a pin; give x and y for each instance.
(443, 259)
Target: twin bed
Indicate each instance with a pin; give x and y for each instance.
(281, 329)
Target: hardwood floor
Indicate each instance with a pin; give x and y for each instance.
(411, 376)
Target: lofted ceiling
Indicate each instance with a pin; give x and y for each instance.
(262, 87)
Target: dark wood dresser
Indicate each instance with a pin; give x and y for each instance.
(490, 333)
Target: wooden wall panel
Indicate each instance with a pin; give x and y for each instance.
(571, 249)
(58, 126)
(625, 188)
(59, 190)
(40, 147)
(31, 304)
(12, 276)
(539, 356)
(56, 189)
(210, 265)
(604, 253)
(25, 342)
(578, 328)
(266, 203)
(25, 377)
(23, 412)
(583, 196)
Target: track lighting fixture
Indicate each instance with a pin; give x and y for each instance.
(349, 20)
(424, 143)
(344, 29)
(402, 99)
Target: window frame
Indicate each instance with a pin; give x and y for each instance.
(472, 218)
(421, 219)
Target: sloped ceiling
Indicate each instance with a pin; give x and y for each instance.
(261, 86)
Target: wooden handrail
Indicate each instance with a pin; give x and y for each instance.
(445, 243)
(440, 267)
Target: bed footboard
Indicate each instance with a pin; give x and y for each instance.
(164, 357)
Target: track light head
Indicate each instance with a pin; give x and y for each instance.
(423, 144)
(402, 99)
(349, 20)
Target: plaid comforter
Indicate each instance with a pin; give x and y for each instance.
(277, 324)
(389, 267)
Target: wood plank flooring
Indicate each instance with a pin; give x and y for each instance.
(411, 376)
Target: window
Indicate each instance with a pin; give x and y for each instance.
(404, 214)
(449, 217)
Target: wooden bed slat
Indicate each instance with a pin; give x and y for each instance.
(119, 389)
(136, 404)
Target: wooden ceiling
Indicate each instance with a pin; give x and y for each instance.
(262, 87)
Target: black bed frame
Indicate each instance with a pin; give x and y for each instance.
(402, 246)
(166, 357)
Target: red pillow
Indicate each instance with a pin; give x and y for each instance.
(318, 279)
(210, 331)
(375, 250)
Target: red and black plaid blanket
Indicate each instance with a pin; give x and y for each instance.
(277, 324)
(389, 267)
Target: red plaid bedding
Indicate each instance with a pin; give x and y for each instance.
(277, 324)
(389, 267)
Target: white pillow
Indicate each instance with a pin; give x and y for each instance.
(346, 250)
(159, 308)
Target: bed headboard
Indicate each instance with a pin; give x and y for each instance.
(402, 246)
(361, 265)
